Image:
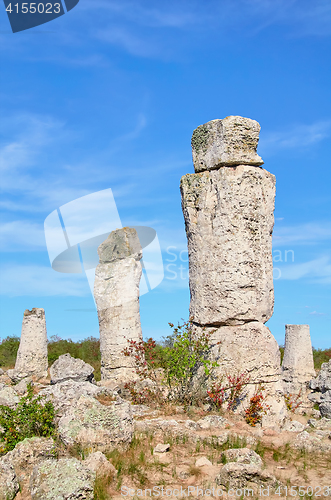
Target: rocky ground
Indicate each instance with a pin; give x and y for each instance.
(108, 448)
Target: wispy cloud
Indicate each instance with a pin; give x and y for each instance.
(311, 233)
(317, 271)
(34, 280)
(21, 235)
(298, 136)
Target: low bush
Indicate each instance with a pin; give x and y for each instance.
(8, 351)
(33, 416)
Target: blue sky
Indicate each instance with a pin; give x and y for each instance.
(107, 96)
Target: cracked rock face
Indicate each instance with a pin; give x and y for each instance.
(228, 142)
(229, 221)
(68, 368)
(31, 357)
(116, 293)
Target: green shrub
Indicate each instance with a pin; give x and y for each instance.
(8, 351)
(33, 416)
(321, 356)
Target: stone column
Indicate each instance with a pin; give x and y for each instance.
(116, 293)
(228, 209)
(31, 357)
(298, 362)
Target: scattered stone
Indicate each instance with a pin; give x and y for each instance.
(242, 475)
(97, 426)
(229, 220)
(228, 142)
(116, 293)
(293, 426)
(8, 481)
(2, 371)
(99, 463)
(28, 454)
(69, 368)
(211, 422)
(190, 424)
(66, 478)
(22, 387)
(65, 395)
(243, 456)
(203, 461)
(8, 396)
(321, 386)
(31, 357)
(161, 448)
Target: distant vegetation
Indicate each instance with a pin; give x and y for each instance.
(89, 351)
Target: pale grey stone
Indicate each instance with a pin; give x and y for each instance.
(8, 397)
(2, 372)
(116, 293)
(212, 422)
(22, 387)
(161, 448)
(322, 382)
(66, 478)
(31, 357)
(202, 462)
(242, 475)
(28, 454)
(293, 426)
(96, 426)
(8, 481)
(99, 463)
(243, 456)
(228, 142)
(64, 395)
(325, 409)
(229, 221)
(298, 362)
(69, 368)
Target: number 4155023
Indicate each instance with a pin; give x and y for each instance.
(34, 8)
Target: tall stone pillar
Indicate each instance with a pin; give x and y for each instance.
(31, 357)
(116, 293)
(228, 209)
(298, 362)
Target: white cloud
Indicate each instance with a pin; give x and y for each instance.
(42, 281)
(299, 136)
(317, 271)
(302, 234)
(21, 235)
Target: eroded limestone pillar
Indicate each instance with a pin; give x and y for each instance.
(298, 362)
(116, 293)
(228, 206)
(31, 357)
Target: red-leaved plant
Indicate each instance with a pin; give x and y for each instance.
(257, 407)
(231, 392)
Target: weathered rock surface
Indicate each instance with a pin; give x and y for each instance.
(228, 142)
(69, 368)
(8, 481)
(229, 221)
(251, 349)
(321, 386)
(116, 293)
(31, 357)
(8, 396)
(22, 387)
(243, 456)
(28, 454)
(212, 422)
(66, 478)
(98, 463)
(65, 395)
(298, 362)
(242, 475)
(96, 426)
(203, 462)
